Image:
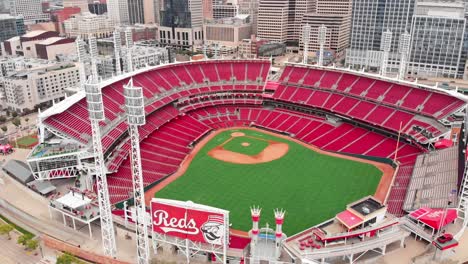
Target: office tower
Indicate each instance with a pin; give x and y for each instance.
(369, 19)
(437, 31)
(31, 10)
(181, 22)
(118, 11)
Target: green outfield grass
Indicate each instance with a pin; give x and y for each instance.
(311, 187)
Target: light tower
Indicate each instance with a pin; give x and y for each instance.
(96, 114)
(81, 53)
(403, 49)
(279, 217)
(129, 44)
(117, 51)
(322, 37)
(255, 212)
(135, 109)
(306, 41)
(385, 45)
(93, 51)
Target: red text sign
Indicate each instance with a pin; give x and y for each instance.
(187, 223)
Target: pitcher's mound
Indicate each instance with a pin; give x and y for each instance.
(245, 144)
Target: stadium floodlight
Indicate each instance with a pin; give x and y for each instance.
(322, 34)
(306, 41)
(135, 109)
(403, 49)
(117, 51)
(96, 114)
(385, 46)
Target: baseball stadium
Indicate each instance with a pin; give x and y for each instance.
(237, 134)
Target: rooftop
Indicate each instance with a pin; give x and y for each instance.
(366, 206)
(51, 40)
(34, 33)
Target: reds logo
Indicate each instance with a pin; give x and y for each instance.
(183, 225)
(213, 230)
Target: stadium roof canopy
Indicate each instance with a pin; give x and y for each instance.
(43, 187)
(19, 170)
(435, 218)
(349, 219)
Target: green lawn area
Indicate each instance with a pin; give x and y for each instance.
(255, 145)
(20, 229)
(311, 187)
(27, 141)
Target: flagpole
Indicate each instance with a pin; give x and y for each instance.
(397, 143)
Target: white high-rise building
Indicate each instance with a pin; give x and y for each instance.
(437, 35)
(250, 7)
(82, 4)
(84, 25)
(31, 10)
(118, 11)
(43, 83)
(272, 23)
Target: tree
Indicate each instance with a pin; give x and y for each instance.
(67, 258)
(4, 129)
(2, 119)
(23, 239)
(14, 114)
(5, 230)
(26, 119)
(16, 122)
(32, 244)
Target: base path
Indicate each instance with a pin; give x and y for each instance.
(381, 192)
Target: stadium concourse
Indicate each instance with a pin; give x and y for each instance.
(333, 109)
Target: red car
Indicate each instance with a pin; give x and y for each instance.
(444, 238)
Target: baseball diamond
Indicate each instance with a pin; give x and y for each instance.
(312, 185)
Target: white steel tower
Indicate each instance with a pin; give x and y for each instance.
(403, 49)
(96, 114)
(305, 40)
(385, 46)
(117, 51)
(81, 52)
(279, 218)
(129, 44)
(322, 34)
(93, 51)
(134, 104)
(255, 213)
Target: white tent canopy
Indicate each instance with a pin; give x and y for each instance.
(74, 200)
